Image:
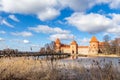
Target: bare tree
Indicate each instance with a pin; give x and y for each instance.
(52, 47)
(106, 38)
(116, 46)
(42, 50)
(10, 52)
(48, 48)
(106, 46)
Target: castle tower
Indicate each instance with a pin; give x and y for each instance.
(57, 45)
(74, 47)
(94, 46)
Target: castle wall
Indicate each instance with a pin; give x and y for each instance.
(65, 50)
(83, 51)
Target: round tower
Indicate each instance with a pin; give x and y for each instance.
(94, 46)
(74, 47)
(57, 45)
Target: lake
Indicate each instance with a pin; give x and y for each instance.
(90, 61)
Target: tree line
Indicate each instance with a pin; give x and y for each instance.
(111, 46)
(48, 48)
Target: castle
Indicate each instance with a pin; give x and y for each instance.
(93, 48)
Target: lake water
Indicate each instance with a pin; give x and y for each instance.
(89, 61)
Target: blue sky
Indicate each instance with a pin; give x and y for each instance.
(33, 23)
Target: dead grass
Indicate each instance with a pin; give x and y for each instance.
(30, 69)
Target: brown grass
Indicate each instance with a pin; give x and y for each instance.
(31, 69)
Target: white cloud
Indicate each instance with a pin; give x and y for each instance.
(61, 36)
(47, 29)
(115, 18)
(44, 9)
(1, 39)
(94, 23)
(49, 9)
(77, 5)
(114, 30)
(82, 5)
(84, 41)
(115, 4)
(115, 23)
(26, 41)
(6, 23)
(35, 45)
(48, 14)
(2, 32)
(24, 34)
(90, 23)
(13, 18)
(55, 32)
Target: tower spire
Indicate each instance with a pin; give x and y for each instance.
(94, 39)
(57, 41)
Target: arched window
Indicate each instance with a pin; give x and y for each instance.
(72, 52)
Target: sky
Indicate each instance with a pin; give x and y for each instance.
(26, 24)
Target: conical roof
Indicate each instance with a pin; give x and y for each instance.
(73, 42)
(94, 39)
(57, 41)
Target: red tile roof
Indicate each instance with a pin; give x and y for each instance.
(94, 39)
(73, 42)
(57, 41)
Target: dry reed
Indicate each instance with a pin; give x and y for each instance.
(31, 69)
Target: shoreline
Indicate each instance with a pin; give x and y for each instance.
(101, 55)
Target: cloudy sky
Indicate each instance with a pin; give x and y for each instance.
(33, 23)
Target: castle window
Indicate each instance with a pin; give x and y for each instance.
(72, 52)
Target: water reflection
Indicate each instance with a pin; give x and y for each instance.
(74, 57)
